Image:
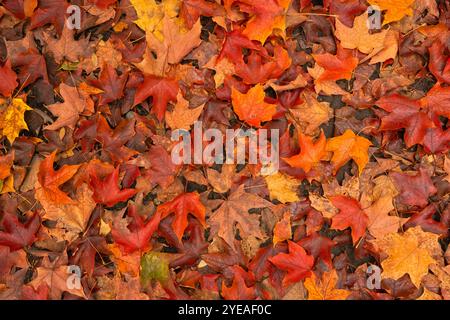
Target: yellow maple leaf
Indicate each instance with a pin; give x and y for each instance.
(150, 14)
(411, 252)
(12, 119)
(395, 9)
(325, 288)
(349, 146)
(282, 187)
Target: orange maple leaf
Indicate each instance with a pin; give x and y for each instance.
(336, 67)
(50, 180)
(250, 107)
(310, 153)
(349, 146)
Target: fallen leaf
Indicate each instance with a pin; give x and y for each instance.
(251, 107)
(12, 119)
(349, 146)
(325, 288)
(282, 187)
(182, 117)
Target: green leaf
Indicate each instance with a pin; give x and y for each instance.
(154, 267)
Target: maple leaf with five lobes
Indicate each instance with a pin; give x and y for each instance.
(405, 113)
(254, 71)
(181, 206)
(233, 213)
(310, 152)
(325, 288)
(411, 252)
(170, 50)
(297, 263)
(311, 114)
(349, 146)
(350, 215)
(56, 276)
(162, 90)
(107, 191)
(414, 190)
(359, 37)
(74, 216)
(135, 235)
(16, 235)
(66, 47)
(251, 107)
(111, 85)
(67, 112)
(12, 119)
(233, 45)
(336, 67)
(50, 180)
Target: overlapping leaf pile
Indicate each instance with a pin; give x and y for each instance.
(88, 184)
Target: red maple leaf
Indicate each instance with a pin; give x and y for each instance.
(107, 191)
(111, 84)
(297, 263)
(425, 220)
(232, 47)
(17, 235)
(437, 101)
(113, 140)
(319, 247)
(162, 170)
(181, 206)
(9, 79)
(31, 65)
(350, 215)
(405, 113)
(239, 289)
(162, 91)
(138, 233)
(436, 140)
(439, 63)
(414, 190)
(50, 11)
